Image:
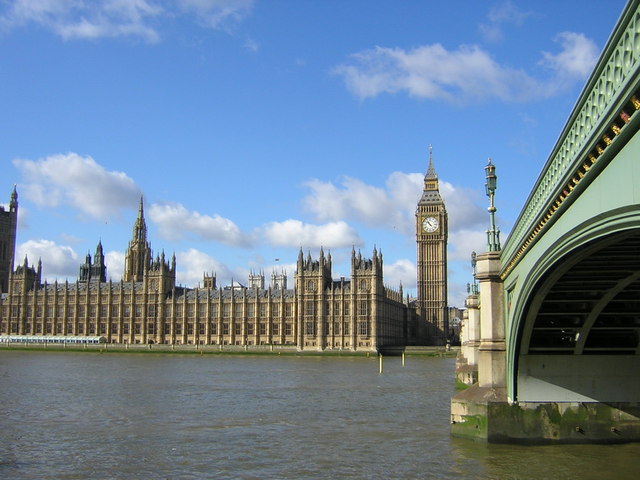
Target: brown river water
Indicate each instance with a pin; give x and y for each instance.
(155, 416)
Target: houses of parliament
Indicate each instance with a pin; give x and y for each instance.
(317, 313)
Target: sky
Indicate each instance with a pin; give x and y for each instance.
(255, 128)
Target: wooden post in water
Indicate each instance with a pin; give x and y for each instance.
(380, 363)
(403, 359)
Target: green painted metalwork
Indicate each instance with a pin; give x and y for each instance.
(590, 130)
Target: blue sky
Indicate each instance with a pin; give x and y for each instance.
(255, 127)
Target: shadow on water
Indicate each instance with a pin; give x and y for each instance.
(562, 462)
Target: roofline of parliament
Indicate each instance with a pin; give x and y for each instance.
(318, 313)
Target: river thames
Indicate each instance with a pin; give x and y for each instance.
(154, 416)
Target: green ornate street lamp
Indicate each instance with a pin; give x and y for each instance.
(493, 234)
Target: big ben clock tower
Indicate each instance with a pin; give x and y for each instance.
(431, 239)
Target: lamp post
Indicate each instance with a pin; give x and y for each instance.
(493, 234)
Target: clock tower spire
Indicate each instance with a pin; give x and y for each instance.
(431, 239)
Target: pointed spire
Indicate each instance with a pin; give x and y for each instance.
(13, 204)
(431, 171)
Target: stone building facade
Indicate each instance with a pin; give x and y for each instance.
(8, 228)
(319, 313)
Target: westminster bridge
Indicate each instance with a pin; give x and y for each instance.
(551, 336)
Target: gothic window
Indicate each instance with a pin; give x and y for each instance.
(226, 310)
(114, 311)
(249, 328)
(69, 311)
(201, 329)
(190, 310)
(69, 328)
(167, 311)
(336, 308)
(263, 328)
(114, 328)
(202, 311)
(364, 285)
(178, 329)
(363, 329)
(225, 329)
(138, 311)
(311, 286)
(250, 310)
(103, 328)
(214, 328)
(274, 329)
(288, 329)
(137, 329)
(92, 311)
(237, 312)
(189, 328)
(362, 308)
(346, 309)
(309, 309)
(151, 311)
(275, 309)
(310, 328)
(288, 310)
(127, 311)
(103, 311)
(345, 328)
(238, 328)
(263, 310)
(214, 310)
(178, 310)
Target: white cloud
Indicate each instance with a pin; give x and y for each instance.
(114, 261)
(433, 72)
(78, 19)
(463, 242)
(175, 222)
(294, 233)
(86, 20)
(499, 15)
(58, 261)
(575, 61)
(193, 264)
(400, 272)
(466, 74)
(219, 14)
(79, 182)
(392, 207)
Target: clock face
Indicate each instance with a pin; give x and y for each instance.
(430, 224)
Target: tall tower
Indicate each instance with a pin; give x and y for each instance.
(96, 271)
(138, 256)
(431, 238)
(8, 227)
